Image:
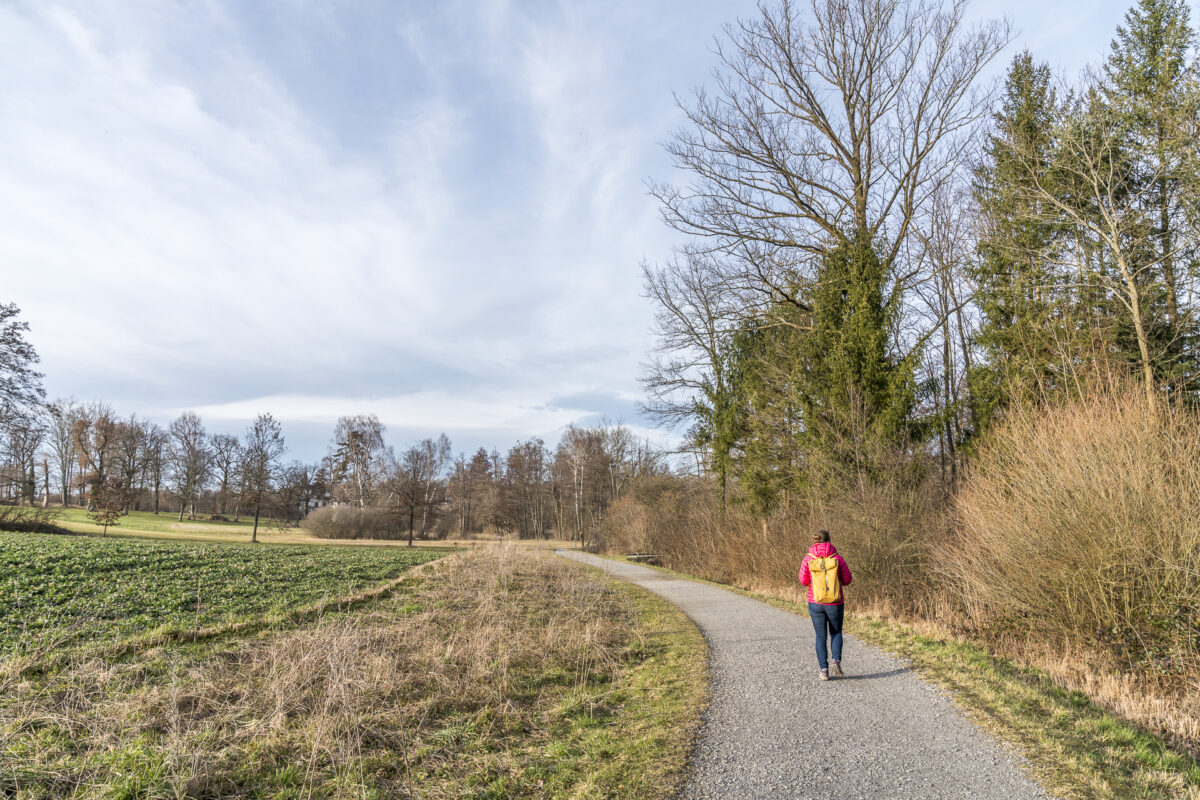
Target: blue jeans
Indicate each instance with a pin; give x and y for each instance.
(827, 621)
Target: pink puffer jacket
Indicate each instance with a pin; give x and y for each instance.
(824, 550)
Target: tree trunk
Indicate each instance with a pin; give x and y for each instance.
(412, 518)
(1135, 309)
(254, 533)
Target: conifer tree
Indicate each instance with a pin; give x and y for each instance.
(856, 397)
(770, 463)
(1020, 299)
(1152, 92)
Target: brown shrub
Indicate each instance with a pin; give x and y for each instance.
(884, 531)
(352, 522)
(1079, 524)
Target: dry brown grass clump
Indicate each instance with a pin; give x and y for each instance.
(485, 679)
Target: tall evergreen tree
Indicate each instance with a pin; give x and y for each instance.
(1152, 94)
(857, 397)
(770, 463)
(1020, 297)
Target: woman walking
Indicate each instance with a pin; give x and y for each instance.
(824, 572)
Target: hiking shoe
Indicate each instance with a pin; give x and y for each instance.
(837, 669)
(824, 674)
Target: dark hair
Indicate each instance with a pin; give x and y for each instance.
(821, 536)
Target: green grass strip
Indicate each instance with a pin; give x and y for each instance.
(639, 747)
(1076, 748)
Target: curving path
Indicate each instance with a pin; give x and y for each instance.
(895, 736)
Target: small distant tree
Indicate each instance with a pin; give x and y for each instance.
(408, 484)
(359, 457)
(109, 501)
(260, 458)
(191, 460)
(226, 452)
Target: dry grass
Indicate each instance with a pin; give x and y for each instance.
(496, 673)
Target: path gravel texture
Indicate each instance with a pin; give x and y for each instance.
(895, 735)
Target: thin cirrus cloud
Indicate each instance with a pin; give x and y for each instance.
(432, 212)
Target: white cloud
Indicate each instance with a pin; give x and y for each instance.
(436, 410)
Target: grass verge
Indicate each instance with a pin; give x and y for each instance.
(502, 672)
(1075, 748)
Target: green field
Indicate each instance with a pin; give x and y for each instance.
(64, 589)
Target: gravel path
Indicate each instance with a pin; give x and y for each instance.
(897, 737)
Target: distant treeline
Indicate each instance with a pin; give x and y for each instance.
(70, 453)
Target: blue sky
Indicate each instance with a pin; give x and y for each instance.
(432, 211)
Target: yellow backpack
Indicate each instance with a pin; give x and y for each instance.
(826, 580)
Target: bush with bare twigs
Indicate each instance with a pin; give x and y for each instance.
(352, 522)
(1079, 536)
(885, 529)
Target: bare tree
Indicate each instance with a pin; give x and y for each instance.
(23, 432)
(158, 452)
(263, 449)
(581, 472)
(94, 435)
(1109, 197)
(20, 384)
(226, 458)
(191, 458)
(130, 455)
(359, 456)
(527, 468)
(696, 311)
(406, 484)
(823, 131)
(436, 462)
(301, 489)
(62, 415)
